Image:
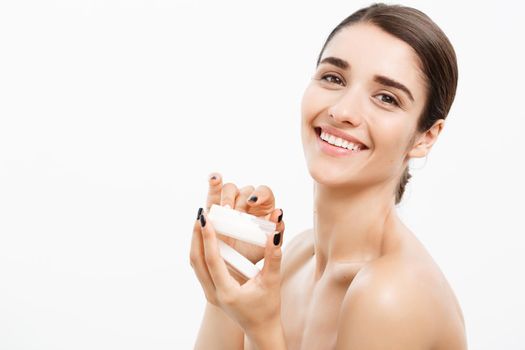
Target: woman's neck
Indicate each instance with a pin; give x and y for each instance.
(349, 225)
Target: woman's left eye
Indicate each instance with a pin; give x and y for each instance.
(388, 99)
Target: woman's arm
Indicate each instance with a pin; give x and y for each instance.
(269, 338)
(218, 331)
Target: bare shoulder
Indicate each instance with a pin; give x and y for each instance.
(403, 296)
(297, 251)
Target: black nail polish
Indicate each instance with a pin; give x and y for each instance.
(280, 218)
(253, 199)
(277, 239)
(213, 177)
(203, 221)
(199, 213)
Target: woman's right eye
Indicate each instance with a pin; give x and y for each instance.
(333, 79)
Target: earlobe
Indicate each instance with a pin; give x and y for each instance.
(426, 140)
(418, 152)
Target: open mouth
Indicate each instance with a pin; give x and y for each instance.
(339, 145)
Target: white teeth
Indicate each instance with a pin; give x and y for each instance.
(337, 141)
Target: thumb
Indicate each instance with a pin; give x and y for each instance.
(271, 271)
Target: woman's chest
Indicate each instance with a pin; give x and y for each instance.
(310, 309)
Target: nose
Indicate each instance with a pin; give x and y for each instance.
(347, 109)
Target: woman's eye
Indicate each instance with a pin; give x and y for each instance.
(388, 99)
(334, 79)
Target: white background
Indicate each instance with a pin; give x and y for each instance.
(112, 114)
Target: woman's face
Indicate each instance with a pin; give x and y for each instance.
(369, 87)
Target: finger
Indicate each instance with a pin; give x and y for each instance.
(216, 266)
(228, 194)
(241, 202)
(198, 264)
(271, 271)
(277, 217)
(214, 190)
(261, 202)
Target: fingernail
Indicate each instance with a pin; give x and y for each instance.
(253, 199)
(199, 213)
(277, 239)
(203, 221)
(280, 218)
(213, 177)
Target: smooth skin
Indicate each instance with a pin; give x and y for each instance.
(359, 279)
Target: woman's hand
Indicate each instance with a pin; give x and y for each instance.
(239, 199)
(256, 304)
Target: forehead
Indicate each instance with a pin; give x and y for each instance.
(371, 51)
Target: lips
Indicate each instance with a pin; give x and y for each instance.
(335, 151)
(337, 133)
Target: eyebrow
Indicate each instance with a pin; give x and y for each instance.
(336, 62)
(381, 79)
(395, 84)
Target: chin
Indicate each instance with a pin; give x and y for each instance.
(331, 176)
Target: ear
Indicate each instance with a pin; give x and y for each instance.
(426, 140)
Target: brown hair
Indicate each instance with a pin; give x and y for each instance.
(435, 52)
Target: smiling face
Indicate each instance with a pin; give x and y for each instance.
(368, 88)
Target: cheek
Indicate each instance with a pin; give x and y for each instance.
(312, 103)
(391, 136)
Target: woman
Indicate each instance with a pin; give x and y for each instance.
(385, 81)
